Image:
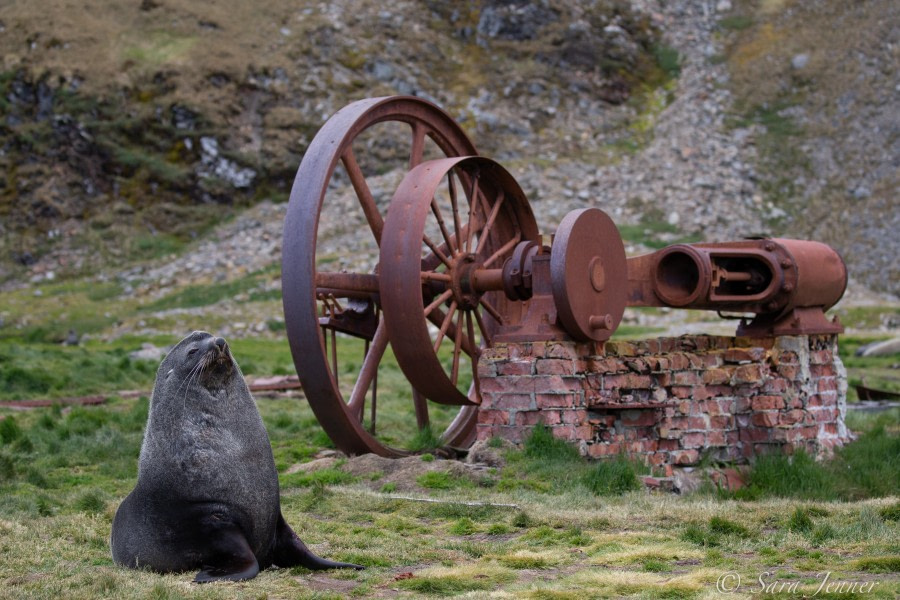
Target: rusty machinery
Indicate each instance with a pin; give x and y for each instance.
(456, 263)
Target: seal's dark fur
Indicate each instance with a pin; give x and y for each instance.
(207, 491)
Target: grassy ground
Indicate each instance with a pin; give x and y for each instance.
(577, 530)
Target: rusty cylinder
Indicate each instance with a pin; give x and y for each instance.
(769, 276)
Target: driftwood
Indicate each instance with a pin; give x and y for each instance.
(263, 384)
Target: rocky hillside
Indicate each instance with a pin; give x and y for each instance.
(130, 128)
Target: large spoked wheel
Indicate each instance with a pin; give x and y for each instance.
(451, 226)
(333, 315)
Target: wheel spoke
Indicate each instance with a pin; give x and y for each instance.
(346, 285)
(491, 310)
(334, 363)
(457, 342)
(436, 250)
(457, 229)
(433, 276)
(485, 336)
(473, 204)
(483, 234)
(440, 219)
(421, 406)
(366, 200)
(438, 301)
(474, 356)
(417, 148)
(444, 325)
(470, 331)
(503, 250)
(369, 371)
(436, 318)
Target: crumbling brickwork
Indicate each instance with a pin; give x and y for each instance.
(670, 401)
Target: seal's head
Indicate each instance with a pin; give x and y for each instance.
(201, 358)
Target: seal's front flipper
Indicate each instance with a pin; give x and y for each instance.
(290, 551)
(228, 558)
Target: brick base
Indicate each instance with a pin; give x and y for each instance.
(670, 401)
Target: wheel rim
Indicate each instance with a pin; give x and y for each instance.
(304, 285)
(438, 315)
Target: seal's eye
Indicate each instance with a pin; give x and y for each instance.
(192, 351)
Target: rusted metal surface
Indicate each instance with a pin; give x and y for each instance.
(787, 284)
(461, 266)
(588, 274)
(312, 344)
(485, 203)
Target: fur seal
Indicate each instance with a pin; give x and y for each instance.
(207, 489)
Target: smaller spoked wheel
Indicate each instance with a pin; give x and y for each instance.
(450, 227)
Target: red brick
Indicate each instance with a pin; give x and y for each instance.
(685, 457)
(561, 350)
(767, 403)
(493, 417)
(611, 382)
(685, 378)
(788, 358)
(639, 418)
(764, 419)
(827, 384)
(814, 401)
(822, 370)
(598, 450)
(743, 355)
(486, 432)
(555, 383)
(679, 362)
(551, 417)
(554, 366)
(668, 444)
(574, 417)
(711, 360)
(716, 438)
(637, 381)
(486, 369)
(775, 385)
(563, 400)
(825, 415)
(517, 401)
(720, 390)
(754, 434)
(681, 391)
(791, 417)
(564, 432)
(584, 432)
(788, 371)
(723, 422)
(515, 367)
(693, 440)
(602, 420)
(638, 365)
(530, 418)
(821, 357)
(752, 373)
(698, 423)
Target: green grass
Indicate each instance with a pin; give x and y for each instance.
(736, 22)
(549, 464)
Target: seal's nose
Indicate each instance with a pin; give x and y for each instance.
(220, 342)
